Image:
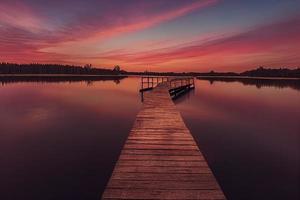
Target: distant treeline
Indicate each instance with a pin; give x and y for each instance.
(147, 73)
(35, 68)
(258, 82)
(11, 68)
(260, 72)
(267, 72)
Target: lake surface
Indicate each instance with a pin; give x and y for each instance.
(60, 140)
(249, 134)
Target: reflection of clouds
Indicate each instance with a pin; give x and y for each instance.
(36, 107)
(21, 120)
(233, 102)
(37, 115)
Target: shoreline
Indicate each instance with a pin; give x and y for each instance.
(248, 77)
(131, 75)
(60, 75)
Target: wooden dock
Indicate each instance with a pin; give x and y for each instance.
(160, 159)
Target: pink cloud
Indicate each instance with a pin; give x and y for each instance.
(19, 15)
(142, 22)
(29, 33)
(276, 44)
(26, 29)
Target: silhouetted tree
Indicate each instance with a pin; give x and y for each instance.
(88, 66)
(35, 68)
(117, 68)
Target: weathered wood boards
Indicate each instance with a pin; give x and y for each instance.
(160, 159)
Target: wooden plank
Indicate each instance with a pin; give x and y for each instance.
(160, 159)
(162, 163)
(159, 134)
(166, 185)
(169, 152)
(163, 138)
(160, 169)
(163, 177)
(152, 146)
(162, 142)
(162, 194)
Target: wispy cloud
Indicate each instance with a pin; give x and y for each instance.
(68, 31)
(277, 43)
(19, 15)
(26, 26)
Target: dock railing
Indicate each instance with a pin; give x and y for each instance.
(177, 85)
(149, 82)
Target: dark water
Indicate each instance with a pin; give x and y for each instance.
(249, 134)
(60, 141)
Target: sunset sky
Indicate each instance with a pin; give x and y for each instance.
(153, 35)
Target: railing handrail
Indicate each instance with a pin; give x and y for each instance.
(167, 77)
(173, 81)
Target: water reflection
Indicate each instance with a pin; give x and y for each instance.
(61, 140)
(58, 79)
(258, 82)
(249, 136)
(185, 97)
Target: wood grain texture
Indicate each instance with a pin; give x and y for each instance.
(160, 159)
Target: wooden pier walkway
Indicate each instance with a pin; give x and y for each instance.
(160, 159)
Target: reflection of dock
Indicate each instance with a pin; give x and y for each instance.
(160, 159)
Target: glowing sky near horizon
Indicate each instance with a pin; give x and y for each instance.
(164, 35)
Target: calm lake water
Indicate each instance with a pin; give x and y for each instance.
(250, 136)
(60, 141)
